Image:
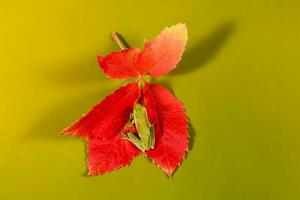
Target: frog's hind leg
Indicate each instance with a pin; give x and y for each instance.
(134, 140)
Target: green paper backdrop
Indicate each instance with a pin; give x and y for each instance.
(239, 81)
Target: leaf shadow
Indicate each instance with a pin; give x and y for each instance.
(205, 50)
(164, 82)
(55, 119)
(83, 74)
(192, 135)
(84, 71)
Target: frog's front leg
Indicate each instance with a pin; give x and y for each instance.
(135, 140)
(152, 136)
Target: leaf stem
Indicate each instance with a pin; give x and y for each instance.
(119, 40)
(140, 80)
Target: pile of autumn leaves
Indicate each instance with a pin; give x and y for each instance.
(102, 126)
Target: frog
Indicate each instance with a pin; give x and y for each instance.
(145, 138)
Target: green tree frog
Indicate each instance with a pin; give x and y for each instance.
(145, 139)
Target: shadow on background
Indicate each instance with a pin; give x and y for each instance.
(85, 75)
(192, 134)
(76, 73)
(55, 119)
(205, 50)
(199, 55)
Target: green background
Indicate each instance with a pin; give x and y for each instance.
(239, 81)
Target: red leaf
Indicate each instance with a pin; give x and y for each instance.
(162, 54)
(108, 154)
(170, 125)
(159, 56)
(121, 64)
(109, 116)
